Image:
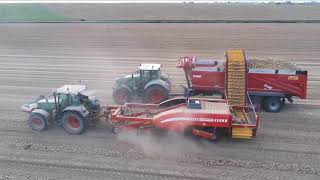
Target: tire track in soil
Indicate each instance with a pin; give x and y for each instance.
(57, 146)
(84, 170)
(188, 163)
(267, 132)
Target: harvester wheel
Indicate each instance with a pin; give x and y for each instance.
(218, 132)
(156, 94)
(73, 123)
(273, 104)
(115, 130)
(37, 122)
(121, 95)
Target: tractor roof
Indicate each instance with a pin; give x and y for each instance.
(72, 89)
(149, 67)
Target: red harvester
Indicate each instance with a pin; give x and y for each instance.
(207, 118)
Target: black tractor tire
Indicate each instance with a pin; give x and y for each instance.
(156, 94)
(273, 104)
(74, 123)
(121, 95)
(37, 122)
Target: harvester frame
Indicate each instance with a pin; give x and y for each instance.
(202, 117)
(181, 115)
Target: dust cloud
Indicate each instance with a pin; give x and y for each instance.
(169, 144)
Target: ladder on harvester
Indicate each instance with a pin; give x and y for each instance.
(236, 75)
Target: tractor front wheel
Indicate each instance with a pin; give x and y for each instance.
(121, 95)
(156, 94)
(37, 122)
(73, 123)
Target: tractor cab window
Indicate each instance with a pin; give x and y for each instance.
(144, 74)
(154, 74)
(63, 100)
(75, 99)
(84, 96)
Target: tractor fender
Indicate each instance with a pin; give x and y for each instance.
(158, 82)
(82, 110)
(125, 87)
(42, 112)
(166, 78)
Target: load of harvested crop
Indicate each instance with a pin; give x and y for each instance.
(271, 64)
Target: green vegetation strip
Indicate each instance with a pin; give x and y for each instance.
(27, 13)
(38, 13)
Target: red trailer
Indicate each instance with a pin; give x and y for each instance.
(268, 87)
(207, 118)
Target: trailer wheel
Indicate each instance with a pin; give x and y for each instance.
(273, 104)
(121, 95)
(37, 122)
(73, 123)
(156, 94)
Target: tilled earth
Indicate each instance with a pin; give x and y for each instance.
(37, 58)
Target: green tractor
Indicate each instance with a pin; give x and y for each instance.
(71, 106)
(147, 84)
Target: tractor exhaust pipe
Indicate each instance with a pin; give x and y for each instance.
(187, 78)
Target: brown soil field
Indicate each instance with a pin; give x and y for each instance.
(152, 11)
(37, 58)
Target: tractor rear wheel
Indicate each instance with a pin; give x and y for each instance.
(156, 94)
(273, 104)
(37, 122)
(73, 122)
(121, 95)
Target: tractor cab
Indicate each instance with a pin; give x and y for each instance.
(67, 95)
(147, 83)
(149, 72)
(75, 95)
(70, 105)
